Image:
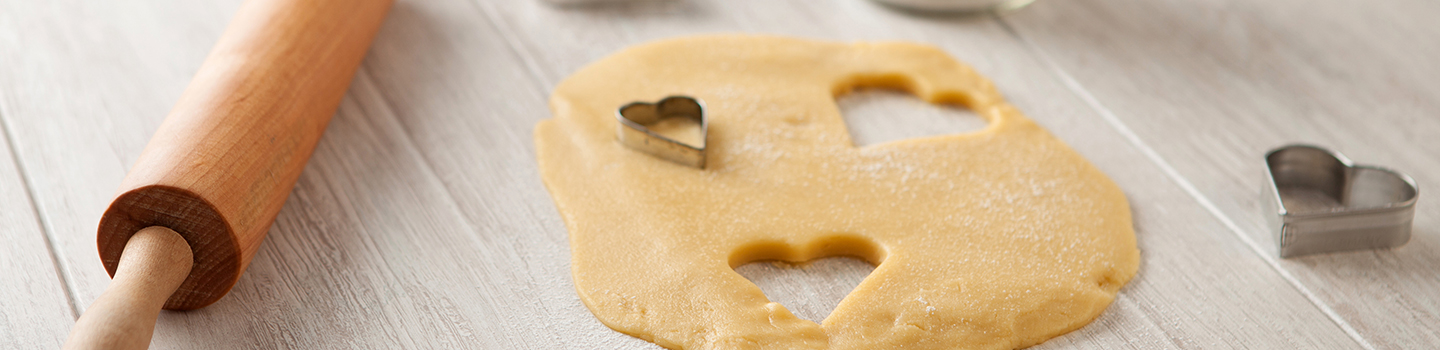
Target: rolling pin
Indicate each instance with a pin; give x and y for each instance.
(193, 210)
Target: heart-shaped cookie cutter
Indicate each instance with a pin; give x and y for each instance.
(1324, 203)
(634, 132)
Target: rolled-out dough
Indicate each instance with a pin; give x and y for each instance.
(995, 239)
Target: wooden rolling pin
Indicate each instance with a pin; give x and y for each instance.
(197, 204)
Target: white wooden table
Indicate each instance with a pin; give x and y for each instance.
(421, 221)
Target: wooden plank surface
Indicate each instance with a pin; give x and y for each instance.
(1211, 86)
(370, 244)
(421, 221)
(34, 310)
(554, 42)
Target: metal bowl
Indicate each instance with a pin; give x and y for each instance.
(955, 6)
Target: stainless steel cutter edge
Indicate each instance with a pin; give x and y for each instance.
(637, 136)
(1298, 234)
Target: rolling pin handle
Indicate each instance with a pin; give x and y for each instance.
(154, 263)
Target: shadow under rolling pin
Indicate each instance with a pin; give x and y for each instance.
(193, 210)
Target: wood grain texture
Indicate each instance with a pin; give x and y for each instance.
(363, 247)
(1211, 86)
(357, 298)
(876, 116)
(110, 74)
(555, 41)
(810, 290)
(221, 165)
(34, 308)
(421, 222)
(156, 261)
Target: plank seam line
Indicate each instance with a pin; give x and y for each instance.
(45, 229)
(358, 87)
(1114, 120)
(1173, 340)
(365, 78)
(513, 44)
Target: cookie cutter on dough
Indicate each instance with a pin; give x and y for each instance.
(1324, 203)
(634, 132)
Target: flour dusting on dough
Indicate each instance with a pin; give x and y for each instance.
(995, 239)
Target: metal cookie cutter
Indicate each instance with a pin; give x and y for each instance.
(636, 118)
(1324, 203)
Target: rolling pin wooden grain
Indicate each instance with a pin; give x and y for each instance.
(193, 210)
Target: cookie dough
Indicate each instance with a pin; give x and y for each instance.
(995, 239)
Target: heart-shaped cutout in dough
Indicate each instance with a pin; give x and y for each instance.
(993, 239)
(1325, 203)
(810, 289)
(665, 129)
